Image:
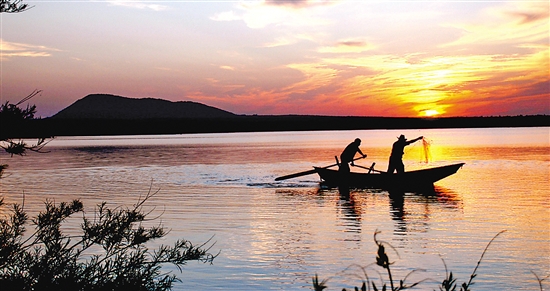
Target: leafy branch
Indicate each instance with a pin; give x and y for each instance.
(16, 6)
(109, 254)
(10, 116)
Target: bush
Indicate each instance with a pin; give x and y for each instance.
(110, 254)
(11, 118)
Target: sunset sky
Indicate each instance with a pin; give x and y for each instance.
(361, 58)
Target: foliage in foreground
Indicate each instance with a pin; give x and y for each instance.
(13, 6)
(110, 254)
(382, 260)
(12, 115)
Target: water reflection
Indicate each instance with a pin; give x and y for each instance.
(397, 203)
(410, 211)
(420, 207)
(350, 210)
(347, 207)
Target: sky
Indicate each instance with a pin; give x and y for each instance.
(347, 58)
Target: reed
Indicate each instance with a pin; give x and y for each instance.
(449, 283)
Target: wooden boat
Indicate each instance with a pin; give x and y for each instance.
(418, 179)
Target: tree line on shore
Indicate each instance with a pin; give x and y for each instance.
(50, 127)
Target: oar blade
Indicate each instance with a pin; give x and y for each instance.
(295, 175)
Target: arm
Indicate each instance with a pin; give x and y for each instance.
(361, 153)
(415, 140)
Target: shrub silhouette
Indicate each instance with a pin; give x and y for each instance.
(11, 117)
(110, 254)
(13, 6)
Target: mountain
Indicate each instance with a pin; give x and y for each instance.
(101, 114)
(105, 106)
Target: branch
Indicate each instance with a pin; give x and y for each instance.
(29, 97)
(20, 147)
(16, 6)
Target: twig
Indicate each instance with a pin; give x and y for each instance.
(29, 97)
(464, 285)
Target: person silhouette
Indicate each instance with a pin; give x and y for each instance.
(348, 154)
(397, 151)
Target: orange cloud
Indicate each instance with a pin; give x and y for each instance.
(389, 85)
(443, 83)
(453, 83)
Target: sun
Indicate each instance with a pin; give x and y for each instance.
(431, 110)
(431, 113)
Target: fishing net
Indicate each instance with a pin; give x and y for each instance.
(426, 156)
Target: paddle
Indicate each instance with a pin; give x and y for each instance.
(307, 172)
(370, 169)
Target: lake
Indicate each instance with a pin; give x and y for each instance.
(278, 235)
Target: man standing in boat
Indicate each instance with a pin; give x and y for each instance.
(397, 151)
(348, 154)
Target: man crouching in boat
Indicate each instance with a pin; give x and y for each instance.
(397, 151)
(347, 155)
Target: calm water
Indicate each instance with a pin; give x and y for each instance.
(277, 235)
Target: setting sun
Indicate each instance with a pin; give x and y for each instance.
(431, 113)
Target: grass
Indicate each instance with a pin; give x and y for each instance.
(449, 283)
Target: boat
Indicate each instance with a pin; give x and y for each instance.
(418, 179)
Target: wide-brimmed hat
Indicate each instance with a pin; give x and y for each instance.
(401, 137)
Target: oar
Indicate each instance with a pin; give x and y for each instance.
(370, 169)
(307, 172)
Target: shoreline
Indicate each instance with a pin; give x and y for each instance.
(50, 127)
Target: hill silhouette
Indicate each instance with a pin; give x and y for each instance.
(106, 106)
(103, 114)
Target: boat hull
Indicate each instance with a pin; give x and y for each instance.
(419, 179)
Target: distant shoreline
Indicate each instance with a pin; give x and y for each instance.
(255, 123)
